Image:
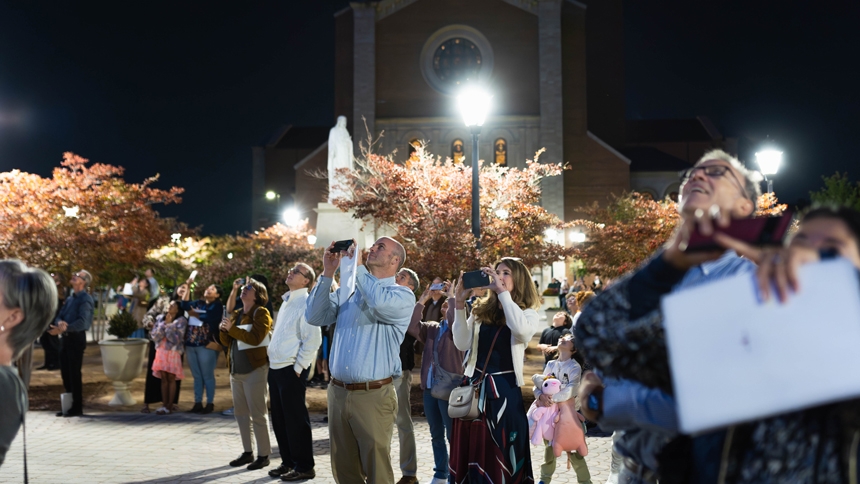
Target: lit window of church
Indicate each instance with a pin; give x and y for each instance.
(413, 149)
(457, 153)
(501, 149)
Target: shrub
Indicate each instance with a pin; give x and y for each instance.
(122, 325)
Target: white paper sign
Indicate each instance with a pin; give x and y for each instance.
(194, 321)
(735, 359)
(348, 266)
(126, 289)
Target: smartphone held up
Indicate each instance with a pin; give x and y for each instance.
(757, 231)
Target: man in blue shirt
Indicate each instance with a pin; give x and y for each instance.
(364, 360)
(621, 334)
(72, 324)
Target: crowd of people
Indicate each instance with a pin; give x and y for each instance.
(604, 355)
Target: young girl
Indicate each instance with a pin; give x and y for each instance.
(568, 372)
(169, 335)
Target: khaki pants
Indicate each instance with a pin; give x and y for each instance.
(405, 431)
(583, 476)
(249, 408)
(361, 424)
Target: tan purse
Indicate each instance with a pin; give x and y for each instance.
(463, 402)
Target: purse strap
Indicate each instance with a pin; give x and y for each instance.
(487, 360)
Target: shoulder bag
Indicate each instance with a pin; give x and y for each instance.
(443, 381)
(463, 402)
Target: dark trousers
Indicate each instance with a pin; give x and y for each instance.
(290, 419)
(51, 346)
(71, 360)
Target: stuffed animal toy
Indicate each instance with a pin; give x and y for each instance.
(569, 435)
(542, 419)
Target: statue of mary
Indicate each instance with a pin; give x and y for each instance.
(340, 155)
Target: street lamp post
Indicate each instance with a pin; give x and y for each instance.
(474, 105)
(769, 161)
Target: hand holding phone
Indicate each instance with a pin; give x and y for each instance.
(757, 231)
(473, 279)
(341, 246)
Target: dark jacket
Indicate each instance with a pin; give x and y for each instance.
(77, 312)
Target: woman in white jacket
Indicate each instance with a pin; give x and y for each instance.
(495, 447)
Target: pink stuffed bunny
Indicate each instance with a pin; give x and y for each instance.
(542, 419)
(569, 435)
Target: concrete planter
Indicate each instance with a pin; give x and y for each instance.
(123, 361)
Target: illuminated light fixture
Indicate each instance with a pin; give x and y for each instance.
(175, 238)
(312, 239)
(230, 255)
(270, 195)
(291, 217)
(474, 104)
(502, 213)
(768, 162)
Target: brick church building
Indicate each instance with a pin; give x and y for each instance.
(556, 72)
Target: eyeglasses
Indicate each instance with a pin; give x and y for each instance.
(713, 171)
(295, 270)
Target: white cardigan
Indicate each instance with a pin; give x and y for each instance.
(523, 325)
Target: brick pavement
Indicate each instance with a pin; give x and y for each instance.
(147, 449)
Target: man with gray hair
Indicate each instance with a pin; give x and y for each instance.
(72, 324)
(620, 332)
(405, 430)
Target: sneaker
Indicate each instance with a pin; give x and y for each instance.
(228, 412)
(295, 475)
(245, 458)
(262, 461)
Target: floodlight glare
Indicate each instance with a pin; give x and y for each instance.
(291, 217)
(270, 195)
(474, 104)
(769, 161)
(577, 237)
(312, 239)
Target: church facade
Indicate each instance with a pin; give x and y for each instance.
(555, 69)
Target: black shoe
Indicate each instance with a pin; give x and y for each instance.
(295, 475)
(197, 408)
(44, 367)
(245, 458)
(78, 413)
(280, 470)
(209, 408)
(60, 414)
(262, 461)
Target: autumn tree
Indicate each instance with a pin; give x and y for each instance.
(628, 229)
(84, 216)
(271, 252)
(427, 203)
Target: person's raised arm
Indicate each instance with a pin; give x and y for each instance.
(390, 303)
(234, 293)
(461, 329)
(322, 303)
(628, 404)
(416, 329)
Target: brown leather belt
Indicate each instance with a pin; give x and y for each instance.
(368, 385)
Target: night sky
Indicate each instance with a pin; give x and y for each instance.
(185, 89)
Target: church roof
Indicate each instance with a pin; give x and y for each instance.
(699, 128)
(298, 137)
(647, 158)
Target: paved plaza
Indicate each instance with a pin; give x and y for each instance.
(147, 448)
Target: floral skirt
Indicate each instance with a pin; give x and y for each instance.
(495, 448)
(169, 361)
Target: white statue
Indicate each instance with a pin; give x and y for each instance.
(339, 155)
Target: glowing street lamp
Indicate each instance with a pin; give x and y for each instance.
(312, 239)
(474, 104)
(769, 161)
(291, 217)
(175, 238)
(270, 195)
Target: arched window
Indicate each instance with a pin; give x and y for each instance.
(413, 149)
(457, 153)
(501, 150)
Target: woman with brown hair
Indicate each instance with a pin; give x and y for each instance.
(248, 360)
(495, 447)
